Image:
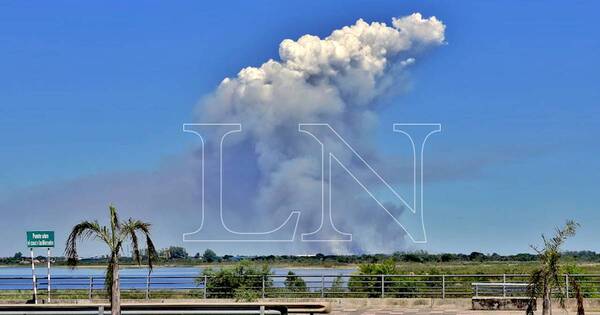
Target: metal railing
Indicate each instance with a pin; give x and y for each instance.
(285, 286)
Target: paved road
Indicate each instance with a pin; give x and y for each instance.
(429, 311)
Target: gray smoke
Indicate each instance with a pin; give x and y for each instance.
(337, 80)
(271, 168)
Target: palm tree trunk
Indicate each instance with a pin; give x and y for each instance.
(115, 300)
(547, 303)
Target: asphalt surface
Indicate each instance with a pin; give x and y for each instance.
(429, 311)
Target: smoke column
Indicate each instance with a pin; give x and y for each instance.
(270, 168)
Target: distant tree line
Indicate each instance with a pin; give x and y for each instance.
(422, 257)
(180, 255)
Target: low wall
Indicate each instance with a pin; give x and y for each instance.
(489, 303)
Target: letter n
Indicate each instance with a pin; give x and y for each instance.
(333, 146)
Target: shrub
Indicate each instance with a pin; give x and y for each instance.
(368, 280)
(245, 295)
(337, 288)
(224, 282)
(294, 283)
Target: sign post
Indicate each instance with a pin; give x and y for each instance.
(48, 286)
(36, 239)
(33, 276)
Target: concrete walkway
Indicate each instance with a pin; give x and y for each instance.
(457, 306)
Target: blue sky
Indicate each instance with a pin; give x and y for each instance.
(92, 89)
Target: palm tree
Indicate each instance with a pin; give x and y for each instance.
(578, 296)
(114, 236)
(546, 277)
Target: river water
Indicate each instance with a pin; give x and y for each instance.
(13, 278)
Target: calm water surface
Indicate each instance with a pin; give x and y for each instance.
(12, 278)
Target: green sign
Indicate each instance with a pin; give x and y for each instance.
(40, 239)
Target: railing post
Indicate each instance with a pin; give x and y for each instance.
(148, 287)
(443, 286)
(567, 284)
(91, 288)
(504, 285)
(263, 287)
(205, 285)
(322, 286)
(382, 286)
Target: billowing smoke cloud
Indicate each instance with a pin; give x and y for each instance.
(270, 168)
(337, 80)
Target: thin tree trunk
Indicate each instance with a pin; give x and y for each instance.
(115, 301)
(547, 303)
(578, 296)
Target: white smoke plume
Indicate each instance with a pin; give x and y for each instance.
(337, 80)
(270, 168)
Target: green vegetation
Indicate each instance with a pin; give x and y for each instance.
(114, 236)
(249, 278)
(369, 281)
(545, 279)
(294, 283)
(173, 253)
(228, 282)
(246, 295)
(210, 256)
(419, 262)
(337, 289)
(18, 296)
(371, 278)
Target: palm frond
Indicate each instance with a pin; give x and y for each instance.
(535, 283)
(152, 253)
(546, 280)
(81, 231)
(115, 225)
(114, 235)
(130, 229)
